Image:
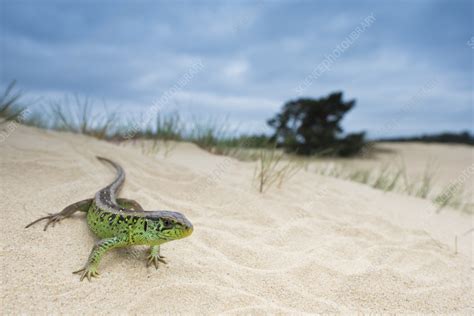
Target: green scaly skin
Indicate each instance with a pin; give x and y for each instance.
(121, 223)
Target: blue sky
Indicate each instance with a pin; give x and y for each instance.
(410, 70)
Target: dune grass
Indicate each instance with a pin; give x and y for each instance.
(72, 116)
(426, 183)
(79, 118)
(452, 196)
(216, 136)
(409, 185)
(266, 171)
(394, 178)
(212, 134)
(150, 148)
(10, 107)
(288, 170)
(273, 169)
(388, 178)
(79, 115)
(168, 128)
(360, 175)
(382, 179)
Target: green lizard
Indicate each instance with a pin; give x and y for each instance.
(121, 223)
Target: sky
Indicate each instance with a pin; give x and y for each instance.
(408, 64)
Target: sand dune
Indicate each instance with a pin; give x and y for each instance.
(318, 244)
(446, 162)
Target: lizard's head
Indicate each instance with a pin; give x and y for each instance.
(170, 225)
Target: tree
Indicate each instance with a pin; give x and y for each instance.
(308, 126)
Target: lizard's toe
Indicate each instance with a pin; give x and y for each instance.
(53, 219)
(155, 260)
(88, 273)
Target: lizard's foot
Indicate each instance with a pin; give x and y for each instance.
(87, 272)
(52, 219)
(82, 206)
(155, 259)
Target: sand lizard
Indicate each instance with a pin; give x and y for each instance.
(121, 223)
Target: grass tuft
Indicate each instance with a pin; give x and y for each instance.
(427, 182)
(360, 175)
(10, 109)
(78, 118)
(451, 196)
(383, 178)
(211, 134)
(266, 171)
(271, 169)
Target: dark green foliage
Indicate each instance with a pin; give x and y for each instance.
(250, 141)
(308, 126)
(350, 145)
(449, 138)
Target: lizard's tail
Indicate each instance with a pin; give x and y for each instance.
(118, 168)
(115, 165)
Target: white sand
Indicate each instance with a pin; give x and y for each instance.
(317, 244)
(447, 164)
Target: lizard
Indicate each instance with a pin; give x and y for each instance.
(120, 222)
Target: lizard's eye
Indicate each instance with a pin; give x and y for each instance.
(167, 223)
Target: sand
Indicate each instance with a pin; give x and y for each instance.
(446, 162)
(315, 245)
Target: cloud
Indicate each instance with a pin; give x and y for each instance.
(254, 55)
(229, 103)
(236, 71)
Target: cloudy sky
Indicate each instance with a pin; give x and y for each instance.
(410, 68)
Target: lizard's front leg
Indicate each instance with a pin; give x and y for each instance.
(155, 257)
(99, 249)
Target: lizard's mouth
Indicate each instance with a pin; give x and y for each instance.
(188, 231)
(187, 228)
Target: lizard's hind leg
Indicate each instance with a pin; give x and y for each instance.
(82, 206)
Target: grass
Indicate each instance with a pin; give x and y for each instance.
(266, 171)
(76, 117)
(271, 169)
(360, 175)
(332, 170)
(168, 128)
(426, 182)
(390, 178)
(387, 179)
(393, 182)
(289, 169)
(10, 109)
(382, 179)
(409, 185)
(148, 148)
(163, 126)
(216, 136)
(212, 134)
(451, 195)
